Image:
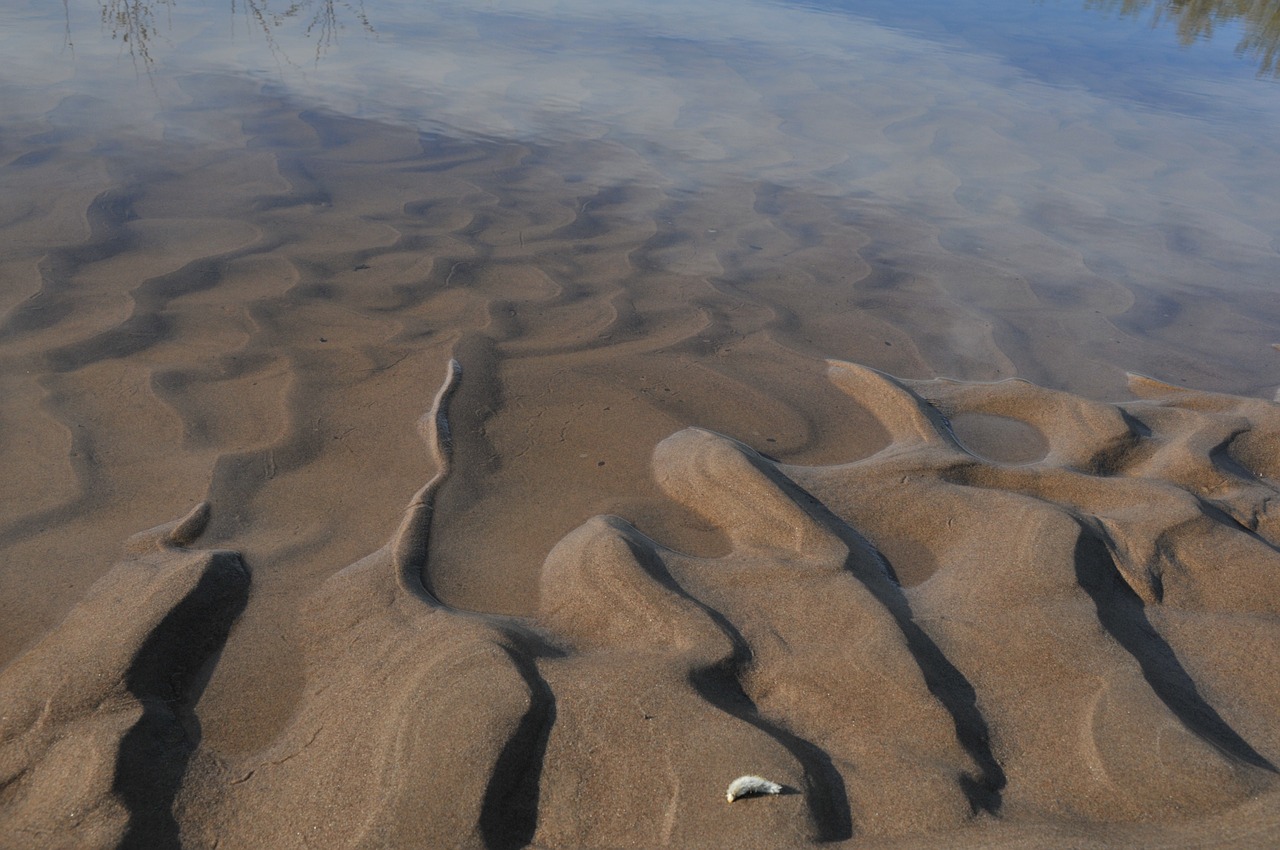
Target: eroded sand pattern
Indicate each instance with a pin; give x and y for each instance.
(793, 424)
(1081, 624)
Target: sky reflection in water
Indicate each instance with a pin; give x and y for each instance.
(1005, 125)
(406, 53)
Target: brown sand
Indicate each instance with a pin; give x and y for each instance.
(1011, 615)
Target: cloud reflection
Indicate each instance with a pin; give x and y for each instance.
(133, 23)
(136, 24)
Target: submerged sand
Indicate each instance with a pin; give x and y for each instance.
(696, 505)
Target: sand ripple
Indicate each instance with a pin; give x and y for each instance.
(1066, 662)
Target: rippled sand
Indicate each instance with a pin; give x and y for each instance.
(682, 537)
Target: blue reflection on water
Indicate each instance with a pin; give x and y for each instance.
(1137, 55)
(1056, 42)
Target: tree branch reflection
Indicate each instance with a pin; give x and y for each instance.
(1199, 20)
(133, 22)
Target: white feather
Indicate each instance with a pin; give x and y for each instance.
(751, 786)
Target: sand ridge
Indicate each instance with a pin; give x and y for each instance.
(1037, 686)
(677, 544)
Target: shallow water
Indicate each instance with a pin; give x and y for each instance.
(238, 250)
(1019, 161)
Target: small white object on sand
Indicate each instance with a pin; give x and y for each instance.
(751, 786)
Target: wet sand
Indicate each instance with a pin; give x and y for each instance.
(704, 507)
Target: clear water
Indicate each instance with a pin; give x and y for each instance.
(1089, 151)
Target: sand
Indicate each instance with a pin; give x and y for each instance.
(497, 503)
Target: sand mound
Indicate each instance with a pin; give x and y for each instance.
(1077, 648)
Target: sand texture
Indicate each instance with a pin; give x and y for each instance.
(513, 493)
(1084, 647)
